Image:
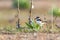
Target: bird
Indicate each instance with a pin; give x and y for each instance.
(39, 21)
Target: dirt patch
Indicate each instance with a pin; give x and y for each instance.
(30, 36)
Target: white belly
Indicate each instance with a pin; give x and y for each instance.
(40, 23)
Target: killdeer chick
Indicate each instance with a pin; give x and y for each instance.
(39, 21)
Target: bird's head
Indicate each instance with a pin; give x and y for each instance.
(38, 19)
